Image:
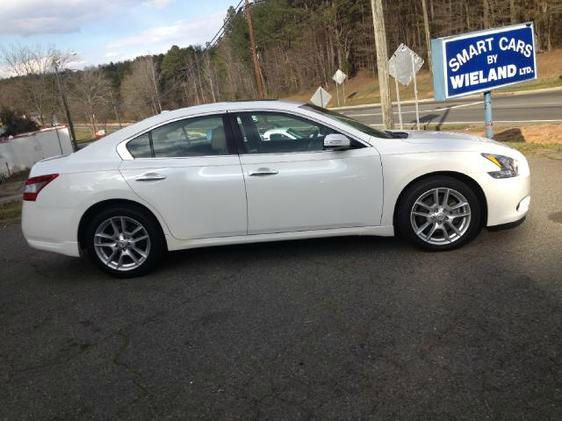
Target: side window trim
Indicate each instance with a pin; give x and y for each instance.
(152, 154)
(231, 132)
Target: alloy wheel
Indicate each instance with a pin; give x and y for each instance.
(122, 243)
(440, 216)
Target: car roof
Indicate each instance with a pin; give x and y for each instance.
(235, 106)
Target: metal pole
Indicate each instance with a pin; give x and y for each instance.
(66, 109)
(399, 106)
(415, 92)
(338, 93)
(488, 115)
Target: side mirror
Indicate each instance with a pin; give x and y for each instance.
(336, 142)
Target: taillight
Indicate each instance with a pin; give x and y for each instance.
(34, 185)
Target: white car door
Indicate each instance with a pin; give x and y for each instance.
(296, 185)
(191, 175)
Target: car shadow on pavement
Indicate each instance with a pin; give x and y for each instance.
(329, 248)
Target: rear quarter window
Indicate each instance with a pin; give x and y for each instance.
(140, 147)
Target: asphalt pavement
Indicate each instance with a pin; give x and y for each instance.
(521, 108)
(347, 328)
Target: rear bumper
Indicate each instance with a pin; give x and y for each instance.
(67, 248)
(48, 229)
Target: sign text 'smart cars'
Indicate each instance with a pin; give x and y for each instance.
(483, 60)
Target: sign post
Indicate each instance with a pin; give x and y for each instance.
(481, 61)
(415, 90)
(398, 102)
(339, 77)
(403, 67)
(488, 122)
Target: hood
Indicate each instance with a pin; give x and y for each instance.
(433, 141)
(433, 137)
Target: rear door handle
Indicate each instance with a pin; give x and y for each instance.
(151, 176)
(261, 172)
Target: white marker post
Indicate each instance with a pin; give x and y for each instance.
(338, 94)
(415, 89)
(398, 101)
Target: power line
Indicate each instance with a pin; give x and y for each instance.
(222, 29)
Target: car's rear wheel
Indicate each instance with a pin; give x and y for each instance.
(439, 213)
(125, 241)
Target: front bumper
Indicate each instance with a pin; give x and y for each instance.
(508, 199)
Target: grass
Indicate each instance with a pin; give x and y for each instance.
(538, 139)
(10, 213)
(17, 176)
(84, 134)
(549, 149)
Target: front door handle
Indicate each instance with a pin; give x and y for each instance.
(261, 172)
(151, 176)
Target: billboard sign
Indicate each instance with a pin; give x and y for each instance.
(482, 61)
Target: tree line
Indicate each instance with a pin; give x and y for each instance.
(300, 44)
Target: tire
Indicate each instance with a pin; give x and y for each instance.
(125, 241)
(429, 224)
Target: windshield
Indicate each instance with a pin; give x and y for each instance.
(348, 120)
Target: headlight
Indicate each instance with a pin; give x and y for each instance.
(508, 167)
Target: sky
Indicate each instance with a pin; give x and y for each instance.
(100, 31)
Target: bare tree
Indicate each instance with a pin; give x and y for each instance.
(140, 89)
(32, 66)
(92, 95)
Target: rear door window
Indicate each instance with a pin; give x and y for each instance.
(200, 136)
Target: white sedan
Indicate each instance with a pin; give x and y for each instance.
(204, 176)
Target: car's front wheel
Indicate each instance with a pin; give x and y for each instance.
(124, 241)
(439, 213)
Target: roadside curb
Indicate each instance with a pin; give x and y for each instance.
(431, 100)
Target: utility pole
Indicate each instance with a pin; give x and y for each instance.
(427, 35)
(155, 84)
(257, 70)
(382, 63)
(65, 104)
(115, 108)
(512, 11)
